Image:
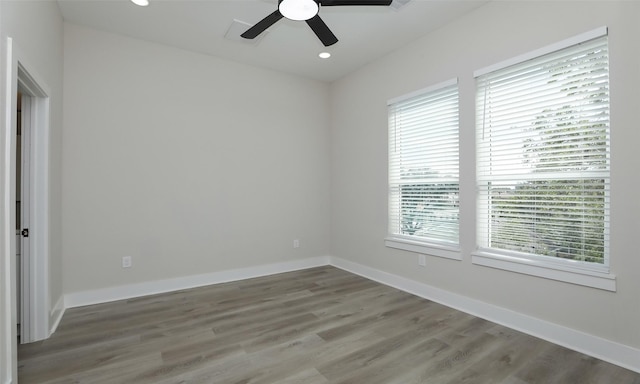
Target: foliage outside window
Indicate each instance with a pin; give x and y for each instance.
(423, 165)
(543, 156)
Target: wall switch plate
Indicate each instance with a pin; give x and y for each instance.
(422, 260)
(296, 243)
(126, 262)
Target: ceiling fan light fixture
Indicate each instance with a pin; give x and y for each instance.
(298, 10)
(324, 55)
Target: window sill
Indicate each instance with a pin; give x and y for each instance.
(590, 278)
(431, 249)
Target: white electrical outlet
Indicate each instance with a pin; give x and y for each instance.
(422, 260)
(126, 261)
(296, 243)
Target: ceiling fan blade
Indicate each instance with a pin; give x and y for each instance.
(262, 25)
(329, 3)
(322, 31)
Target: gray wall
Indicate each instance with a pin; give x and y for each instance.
(492, 33)
(188, 163)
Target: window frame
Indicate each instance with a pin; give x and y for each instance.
(576, 272)
(416, 244)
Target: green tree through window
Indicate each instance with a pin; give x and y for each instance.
(555, 203)
(423, 166)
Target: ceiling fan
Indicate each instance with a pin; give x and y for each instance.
(307, 10)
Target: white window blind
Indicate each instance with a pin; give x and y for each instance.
(543, 156)
(423, 165)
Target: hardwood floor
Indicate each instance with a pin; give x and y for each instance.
(317, 326)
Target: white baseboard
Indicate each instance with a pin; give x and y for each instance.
(615, 353)
(56, 314)
(104, 295)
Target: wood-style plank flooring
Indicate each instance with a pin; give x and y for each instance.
(316, 326)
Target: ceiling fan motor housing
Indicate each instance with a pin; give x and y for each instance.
(298, 10)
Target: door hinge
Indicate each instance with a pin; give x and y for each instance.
(25, 232)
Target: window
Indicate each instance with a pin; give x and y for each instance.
(423, 171)
(543, 157)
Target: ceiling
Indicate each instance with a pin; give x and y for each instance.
(365, 33)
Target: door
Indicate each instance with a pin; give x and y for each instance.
(18, 203)
(23, 183)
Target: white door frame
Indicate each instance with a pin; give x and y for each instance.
(20, 74)
(8, 310)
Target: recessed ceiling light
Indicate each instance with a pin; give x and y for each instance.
(142, 3)
(324, 55)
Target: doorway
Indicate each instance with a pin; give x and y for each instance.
(21, 77)
(31, 189)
